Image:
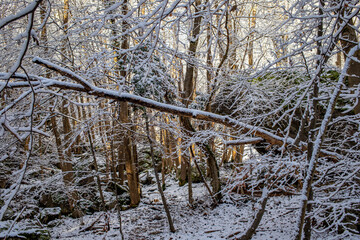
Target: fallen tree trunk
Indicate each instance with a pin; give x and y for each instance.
(84, 86)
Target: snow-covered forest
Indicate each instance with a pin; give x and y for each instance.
(179, 119)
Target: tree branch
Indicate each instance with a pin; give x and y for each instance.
(86, 87)
(29, 9)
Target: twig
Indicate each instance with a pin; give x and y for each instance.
(13, 223)
(211, 231)
(92, 224)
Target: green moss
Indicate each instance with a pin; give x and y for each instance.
(330, 75)
(287, 77)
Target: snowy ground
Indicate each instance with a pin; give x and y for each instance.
(148, 220)
(200, 221)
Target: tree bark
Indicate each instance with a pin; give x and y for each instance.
(128, 157)
(314, 115)
(252, 24)
(189, 86)
(349, 40)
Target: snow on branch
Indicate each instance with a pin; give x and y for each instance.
(305, 193)
(86, 87)
(24, 47)
(63, 71)
(13, 131)
(29, 9)
(186, 112)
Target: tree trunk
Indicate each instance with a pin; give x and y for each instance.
(190, 190)
(183, 164)
(189, 86)
(126, 149)
(252, 23)
(128, 157)
(66, 167)
(349, 40)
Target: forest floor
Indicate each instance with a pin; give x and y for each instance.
(200, 221)
(148, 220)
